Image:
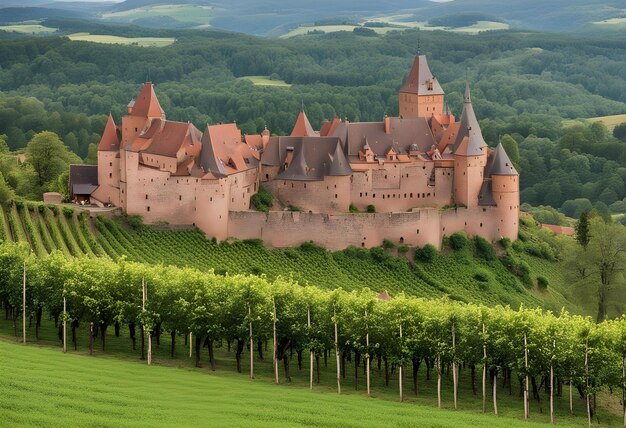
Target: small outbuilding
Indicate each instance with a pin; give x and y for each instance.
(52, 198)
(83, 182)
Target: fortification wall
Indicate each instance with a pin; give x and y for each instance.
(338, 231)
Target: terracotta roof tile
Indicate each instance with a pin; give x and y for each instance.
(419, 77)
(302, 127)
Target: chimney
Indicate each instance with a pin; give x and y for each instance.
(265, 137)
(387, 125)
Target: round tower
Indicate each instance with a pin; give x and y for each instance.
(505, 190)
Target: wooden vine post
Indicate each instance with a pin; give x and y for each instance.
(587, 382)
(552, 384)
(439, 381)
(275, 346)
(251, 344)
(526, 403)
(190, 340)
(454, 365)
(64, 324)
(337, 353)
(495, 391)
(571, 398)
(312, 354)
(400, 370)
(143, 308)
(24, 305)
(367, 360)
(484, 371)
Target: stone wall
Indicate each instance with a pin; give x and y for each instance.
(338, 231)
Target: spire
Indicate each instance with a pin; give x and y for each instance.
(146, 104)
(110, 140)
(302, 127)
(467, 98)
(298, 169)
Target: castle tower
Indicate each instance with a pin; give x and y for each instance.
(505, 190)
(302, 127)
(109, 164)
(141, 110)
(470, 156)
(421, 95)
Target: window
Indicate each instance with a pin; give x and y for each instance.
(335, 196)
(148, 209)
(180, 197)
(110, 163)
(110, 175)
(146, 196)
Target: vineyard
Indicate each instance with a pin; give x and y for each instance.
(492, 351)
(461, 274)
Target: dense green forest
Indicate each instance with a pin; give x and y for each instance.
(524, 84)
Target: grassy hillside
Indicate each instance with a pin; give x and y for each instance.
(44, 387)
(462, 274)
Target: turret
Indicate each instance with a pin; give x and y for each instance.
(505, 190)
(421, 95)
(302, 127)
(470, 156)
(141, 111)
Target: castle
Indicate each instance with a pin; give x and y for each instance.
(425, 174)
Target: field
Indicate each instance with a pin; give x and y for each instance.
(196, 15)
(450, 274)
(610, 121)
(44, 387)
(28, 28)
(138, 41)
(613, 22)
(266, 81)
(396, 25)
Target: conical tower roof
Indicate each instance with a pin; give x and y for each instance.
(298, 169)
(500, 163)
(470, 129)
(146, 104)
(303, 127)
(338, 164)
(418, 78)
(110, 140)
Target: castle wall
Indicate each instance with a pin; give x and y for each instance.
(506, 194)
(164, 163)
(399, 187)
(332, 195)
(412, 105)
(468, 179)
(338, 231)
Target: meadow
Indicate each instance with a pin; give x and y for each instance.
(28, 28)
(118, 40)
(266, 81)
(43, 386)
(185, 13)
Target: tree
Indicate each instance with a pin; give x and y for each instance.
(512, 149)
(619, 131)
(49, 157)
(600, 266)
(582, 229)
(92, 154)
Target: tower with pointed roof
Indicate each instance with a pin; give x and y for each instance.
(109, 164)
(421, 95)
(505, 191)
(470, 156)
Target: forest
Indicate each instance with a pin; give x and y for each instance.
(524, 84)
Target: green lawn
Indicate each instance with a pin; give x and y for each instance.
(43, 387)
(117, 40)
(266, 81)
(27, 28)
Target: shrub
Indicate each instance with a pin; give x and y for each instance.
(505, 243)
(19, 205)
(425, 254)
(68, 212)
(262, 200)
(542, 282)
(484, 249)
(31, 207)
(54, 209)
(135, 221)
(371, 209)
(458, 241)
(378, 253)
(482, 275)
(353, 209)
(403, 249)
(41, 208)
(294, 208)
(387, 244)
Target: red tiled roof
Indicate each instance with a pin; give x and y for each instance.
(110, 140)
(146, 104)
(303, 127)
(418, 78)
(170, 137)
